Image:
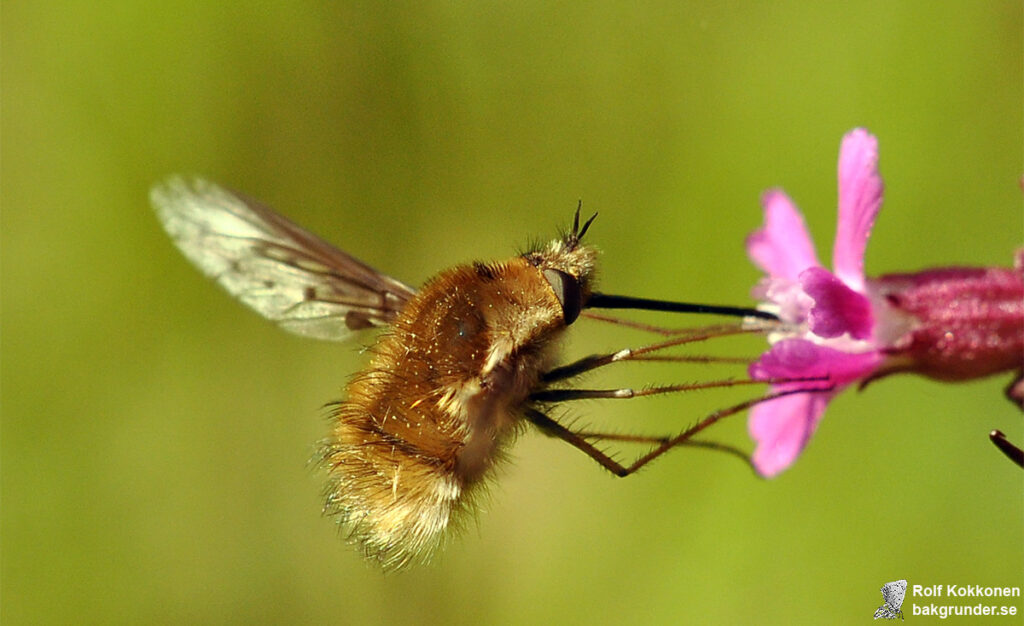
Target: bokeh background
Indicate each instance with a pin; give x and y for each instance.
(155, 434)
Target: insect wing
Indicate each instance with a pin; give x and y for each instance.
(274, 266)
(893, 593)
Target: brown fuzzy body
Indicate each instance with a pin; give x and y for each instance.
(422, 425)
(451, 375)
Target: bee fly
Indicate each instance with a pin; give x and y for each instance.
(461, 365)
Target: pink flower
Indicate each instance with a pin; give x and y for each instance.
(948, 324)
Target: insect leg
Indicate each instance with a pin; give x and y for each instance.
(595, 361)
(649, 328)
(561, 395)
(655, 440)
(553, 428)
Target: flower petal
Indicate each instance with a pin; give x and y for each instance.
(837, 308)
(800, 358)
(782, 428)
(792, 303)
(782, 247)
(860, 198)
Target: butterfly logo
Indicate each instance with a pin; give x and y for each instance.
(893, 594)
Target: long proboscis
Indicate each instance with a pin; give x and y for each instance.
(608, 301)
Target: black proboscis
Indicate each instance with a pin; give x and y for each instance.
(607, 301)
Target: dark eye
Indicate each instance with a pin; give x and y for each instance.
(567, 290)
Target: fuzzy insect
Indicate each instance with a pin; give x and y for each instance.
(460, 367)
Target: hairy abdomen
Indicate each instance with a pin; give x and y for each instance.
(422, 426)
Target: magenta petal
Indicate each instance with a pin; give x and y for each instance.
(837, 308)
(860, 197)
(782, 428)
(782, 247)
(799, 358)
(789, 358)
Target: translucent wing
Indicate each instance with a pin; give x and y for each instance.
(280, 270)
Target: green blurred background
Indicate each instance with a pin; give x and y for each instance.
(155, 434)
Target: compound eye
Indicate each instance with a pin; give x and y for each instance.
(567, 290)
